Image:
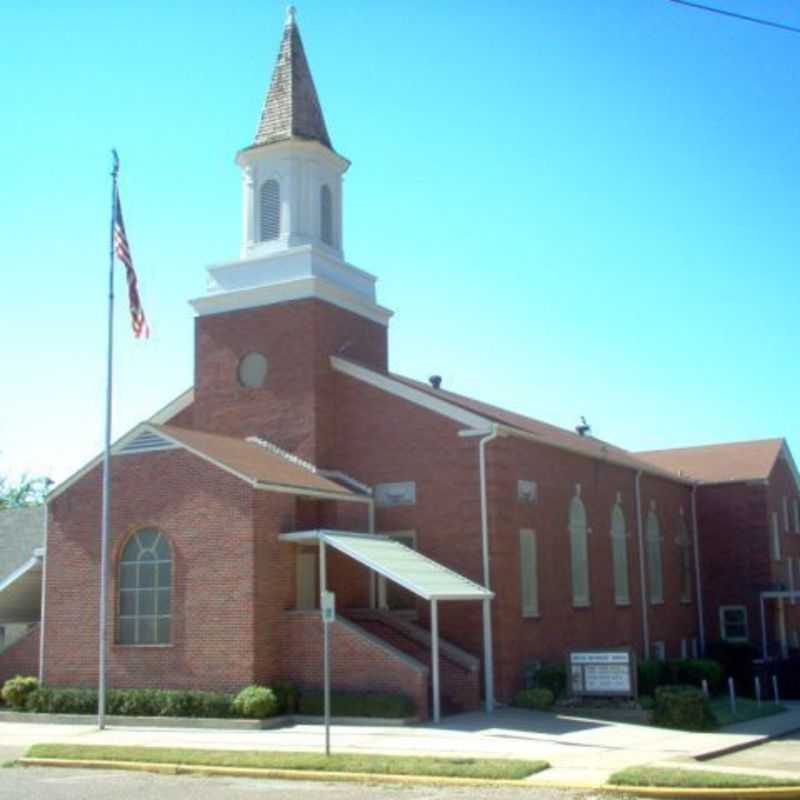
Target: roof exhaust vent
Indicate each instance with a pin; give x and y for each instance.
(435, 381)
(584, 428)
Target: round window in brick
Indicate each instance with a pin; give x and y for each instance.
(252, 370)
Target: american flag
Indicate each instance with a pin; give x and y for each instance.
(123, 252)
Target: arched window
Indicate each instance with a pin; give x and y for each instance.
(619, 551)
(145, 589)
(579, 550)
(655, 570)
(270, 210)
(684, 543)
(326, 215)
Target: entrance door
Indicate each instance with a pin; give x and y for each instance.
(306, 568)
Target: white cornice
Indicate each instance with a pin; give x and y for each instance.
(302, 289)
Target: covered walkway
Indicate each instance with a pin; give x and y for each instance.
(413, 571)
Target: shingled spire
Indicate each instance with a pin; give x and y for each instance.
(292, 108)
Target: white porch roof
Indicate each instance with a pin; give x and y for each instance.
(397, 562)
(21, 593)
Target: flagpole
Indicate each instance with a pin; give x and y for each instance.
(101, 690)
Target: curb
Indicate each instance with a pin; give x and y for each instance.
(773, 793)
(735, 748)
(203, 723)
(284, 774)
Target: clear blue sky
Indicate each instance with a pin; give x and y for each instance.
(574, 207)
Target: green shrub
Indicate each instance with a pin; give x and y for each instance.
(62, 701)
(286, 694)
(16, 690)
(538, 699)
(651, 674)
(552, 677)
(347, 704)
(647, 702)
(693, 671)
(684, 707)
(257, 702)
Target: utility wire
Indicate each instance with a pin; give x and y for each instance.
(737, 16)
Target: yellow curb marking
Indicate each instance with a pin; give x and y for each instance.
(774, 793)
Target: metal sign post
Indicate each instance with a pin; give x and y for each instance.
(328, 616)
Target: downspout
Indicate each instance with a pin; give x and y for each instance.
(643, 590)
(488, 648)
(696, 536)
(44, 598)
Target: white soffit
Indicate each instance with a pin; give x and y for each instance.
(409, 393)
(305, 288)
(400, 564)
(21, 594)
(172, 409)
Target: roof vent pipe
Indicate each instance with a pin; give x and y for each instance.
(435, 381)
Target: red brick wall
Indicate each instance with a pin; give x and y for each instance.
(22, 657)
(384, 438)
(207, 516)
(734, 551)
(561, 626)
(292, 409)
(357, 663)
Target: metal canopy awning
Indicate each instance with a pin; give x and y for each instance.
(397, 562)
(21, 593)
(413, 571)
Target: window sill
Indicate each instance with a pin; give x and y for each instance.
(687, 602)
(144, 646)
(581, 606)
(656, 602)
(622, 603)
(534, 617)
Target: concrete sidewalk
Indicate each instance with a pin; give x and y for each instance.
(583, 752)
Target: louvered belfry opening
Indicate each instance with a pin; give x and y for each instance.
(270, 210)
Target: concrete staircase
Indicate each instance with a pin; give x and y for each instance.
(459, 671)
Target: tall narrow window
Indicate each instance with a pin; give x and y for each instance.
(619, 552)
(684, 543)
(326, 214)
(786, 514)
(776, 537)
(796, 510)
(145, 590)
(655, 569)
(529, 573)
(270, 210)
(579, 550)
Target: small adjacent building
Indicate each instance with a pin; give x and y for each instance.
(748, 509)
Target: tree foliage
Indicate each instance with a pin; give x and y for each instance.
(28, 491)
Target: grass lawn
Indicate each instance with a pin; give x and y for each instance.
(489, 768)
(746, 709)
(691, 779)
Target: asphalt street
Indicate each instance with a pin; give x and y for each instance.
(39, 783)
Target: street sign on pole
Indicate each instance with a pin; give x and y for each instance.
(328, 608)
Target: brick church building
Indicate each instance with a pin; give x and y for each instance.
(462, 542)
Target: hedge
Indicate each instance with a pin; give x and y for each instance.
(684, 707)
(350, 704)
(538, 699)
(685, 671)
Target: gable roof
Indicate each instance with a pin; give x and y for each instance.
(720, 463)
(478, 414)
(292, 108)
(260, 464)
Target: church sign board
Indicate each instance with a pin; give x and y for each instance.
(602, 673)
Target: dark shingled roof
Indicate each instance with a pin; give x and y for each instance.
(21, 532)
(292, 108)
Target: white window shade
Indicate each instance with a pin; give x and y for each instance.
(579, 552)
(529, 577)
(619, 552)
(654, 562)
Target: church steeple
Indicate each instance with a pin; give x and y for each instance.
(291, 108)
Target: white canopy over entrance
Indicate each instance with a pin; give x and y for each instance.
(413, 571)
(21, 593)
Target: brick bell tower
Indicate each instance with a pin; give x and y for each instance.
(266, 329)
